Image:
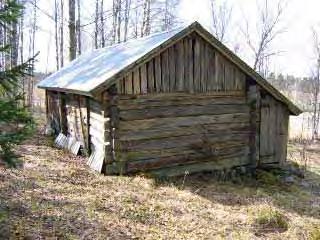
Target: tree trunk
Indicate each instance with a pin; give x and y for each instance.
(114, 19)
(103, 44)
(62, 34)
(32, 53)
(96, 30)
(126, 19)
(79, 28)
(21, 28)
(72, 30)
(119, 21)
(56, 37)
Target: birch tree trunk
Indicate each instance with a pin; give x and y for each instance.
(62, 34)
(79, 28)
(126, 19)
(103, 44)
(72, 30)
(119, 21)
(56, 35)
(96, 30)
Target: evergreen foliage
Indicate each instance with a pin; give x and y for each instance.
(16, 122)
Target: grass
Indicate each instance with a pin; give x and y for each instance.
(267, 218)
(56, 196)
(314, 233)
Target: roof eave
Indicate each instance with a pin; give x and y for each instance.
(71, 91)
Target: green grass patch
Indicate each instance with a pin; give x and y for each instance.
(314, 233)
(269, 219)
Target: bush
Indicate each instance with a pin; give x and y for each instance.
(267, 218)
(16, 124)
(314, 233)
(268, 177)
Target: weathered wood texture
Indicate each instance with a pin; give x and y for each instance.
(190, 65)
(273, 131)
(76, 114)
(53, 106)
(99, 126)
(254, 101)
(164, 130)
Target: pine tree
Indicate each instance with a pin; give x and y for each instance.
(15, 121)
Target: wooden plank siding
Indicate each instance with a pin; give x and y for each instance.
(174, 129)
(99, 126)
(273, 131)
(53, 106)
(186, 109)
(190, 65)
(76, 116)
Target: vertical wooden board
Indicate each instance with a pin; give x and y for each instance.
(222, 76)
(272, 126)
(88, 125)
(150, 76)
(263, 128)
(202, 66)
(207, 66)
(157, 73)
(186, 63)
(283, 134)
(189, 70)
(136, 81)
(243, 81)
(240, 79)
(211, 70)
(180, 65)
(120, 86)
(228, 79)
(217, 72)
(143, 78)
(128, 84)
(197, 65)
(172, 68)
(165, 71)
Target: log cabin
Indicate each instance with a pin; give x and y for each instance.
(169, 103)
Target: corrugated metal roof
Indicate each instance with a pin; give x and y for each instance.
(92, 69)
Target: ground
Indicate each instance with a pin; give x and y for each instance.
(56, 196)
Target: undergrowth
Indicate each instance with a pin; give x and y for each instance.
(269, 219)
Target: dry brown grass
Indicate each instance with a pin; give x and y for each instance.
(55, 195)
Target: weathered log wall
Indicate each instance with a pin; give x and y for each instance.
(190, 65)
(273, 131)
(186, 109)
(174, 130)
(76, 115)
(53, 108)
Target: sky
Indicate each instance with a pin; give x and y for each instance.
(295, 43)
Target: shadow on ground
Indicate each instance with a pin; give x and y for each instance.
(301, 197)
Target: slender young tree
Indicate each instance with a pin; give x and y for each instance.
(268, 29)
(96, 30)
(103, 42)
(79, 45)
(32, 53)
(119, 20)
(145, 27)
(221, 16)
(126, 19)
(72, 30)
(61, 33)
(56, 34)
(316, 85)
